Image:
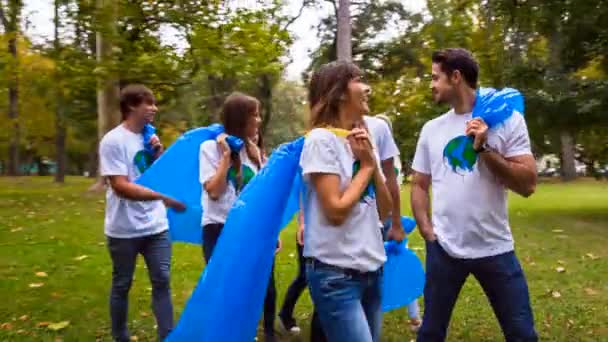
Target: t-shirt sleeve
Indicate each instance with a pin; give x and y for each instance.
(422, 157)
(387, 148)
(208, 160)
(518, 139)
(112, 160)
(319, 154)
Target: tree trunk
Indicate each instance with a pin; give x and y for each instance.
(344, 32)
(568, 167)
(10, 19)
(60, 129)
(265, 96)
(13, 107)
(108, 91)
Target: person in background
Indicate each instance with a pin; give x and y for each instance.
(135, 218)
(225, 173)
(413, 308)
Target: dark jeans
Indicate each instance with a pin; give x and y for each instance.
(211, 234)
(291, 297)
(502, 280)
(156, 250)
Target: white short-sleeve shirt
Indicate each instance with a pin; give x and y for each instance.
(356, 243)
(469, 204)
(121, 153)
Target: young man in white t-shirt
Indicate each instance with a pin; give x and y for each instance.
(136, 219)
(469, 230)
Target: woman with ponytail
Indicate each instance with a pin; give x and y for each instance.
(224, 173)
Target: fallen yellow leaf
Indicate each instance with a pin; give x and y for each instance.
(41, 274)
(590, 291)
(23, 318)
(560, 269)
(6, 326)
(591, 256)
(556, 294)
(558, 230)
(36, 285)
(43, 324)
(58, 326)
(80, 258)
(134, 338)
(16, 230)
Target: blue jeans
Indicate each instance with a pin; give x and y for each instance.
(348, 302)
(156, 250)
(502, 280)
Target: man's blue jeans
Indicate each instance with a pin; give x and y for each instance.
(156, 250)
(502, 280)
(348, 302)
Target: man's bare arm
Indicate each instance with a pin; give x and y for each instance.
(516, 173)
(420, 199)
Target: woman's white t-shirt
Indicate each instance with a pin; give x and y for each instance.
(216, 211)
(357, 243)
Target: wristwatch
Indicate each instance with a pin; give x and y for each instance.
(484, 148)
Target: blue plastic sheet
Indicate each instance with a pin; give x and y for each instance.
(494, 106)
(408, 223)
(227, 302)
(403, 277)
(233, 285)
(175, 174)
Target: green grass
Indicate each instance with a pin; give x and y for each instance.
(46, 227)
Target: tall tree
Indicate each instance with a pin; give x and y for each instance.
(60, 125)
(344, 34)
(108, 86)
(10, 14)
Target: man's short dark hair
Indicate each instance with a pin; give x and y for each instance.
(458, 59)
(132, 96)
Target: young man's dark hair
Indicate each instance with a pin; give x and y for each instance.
(132, 96)
(458, 59)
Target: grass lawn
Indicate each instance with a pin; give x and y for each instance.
(58, 230)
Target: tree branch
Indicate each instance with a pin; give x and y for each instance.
(292, 20)
(3, 18)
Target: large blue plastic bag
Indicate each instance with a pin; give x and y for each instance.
(227, 302)
(403, 276)
(176, 174)
(495, 107)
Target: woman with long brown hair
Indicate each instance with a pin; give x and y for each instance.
(344, 200)
(225, 173)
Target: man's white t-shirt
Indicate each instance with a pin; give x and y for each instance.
(469, 204)
(216, 211)
(356, 243)
(121, 153)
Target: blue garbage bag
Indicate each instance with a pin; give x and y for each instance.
(227, 302)
(495, 107)
(403, 277)
(176, 174)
